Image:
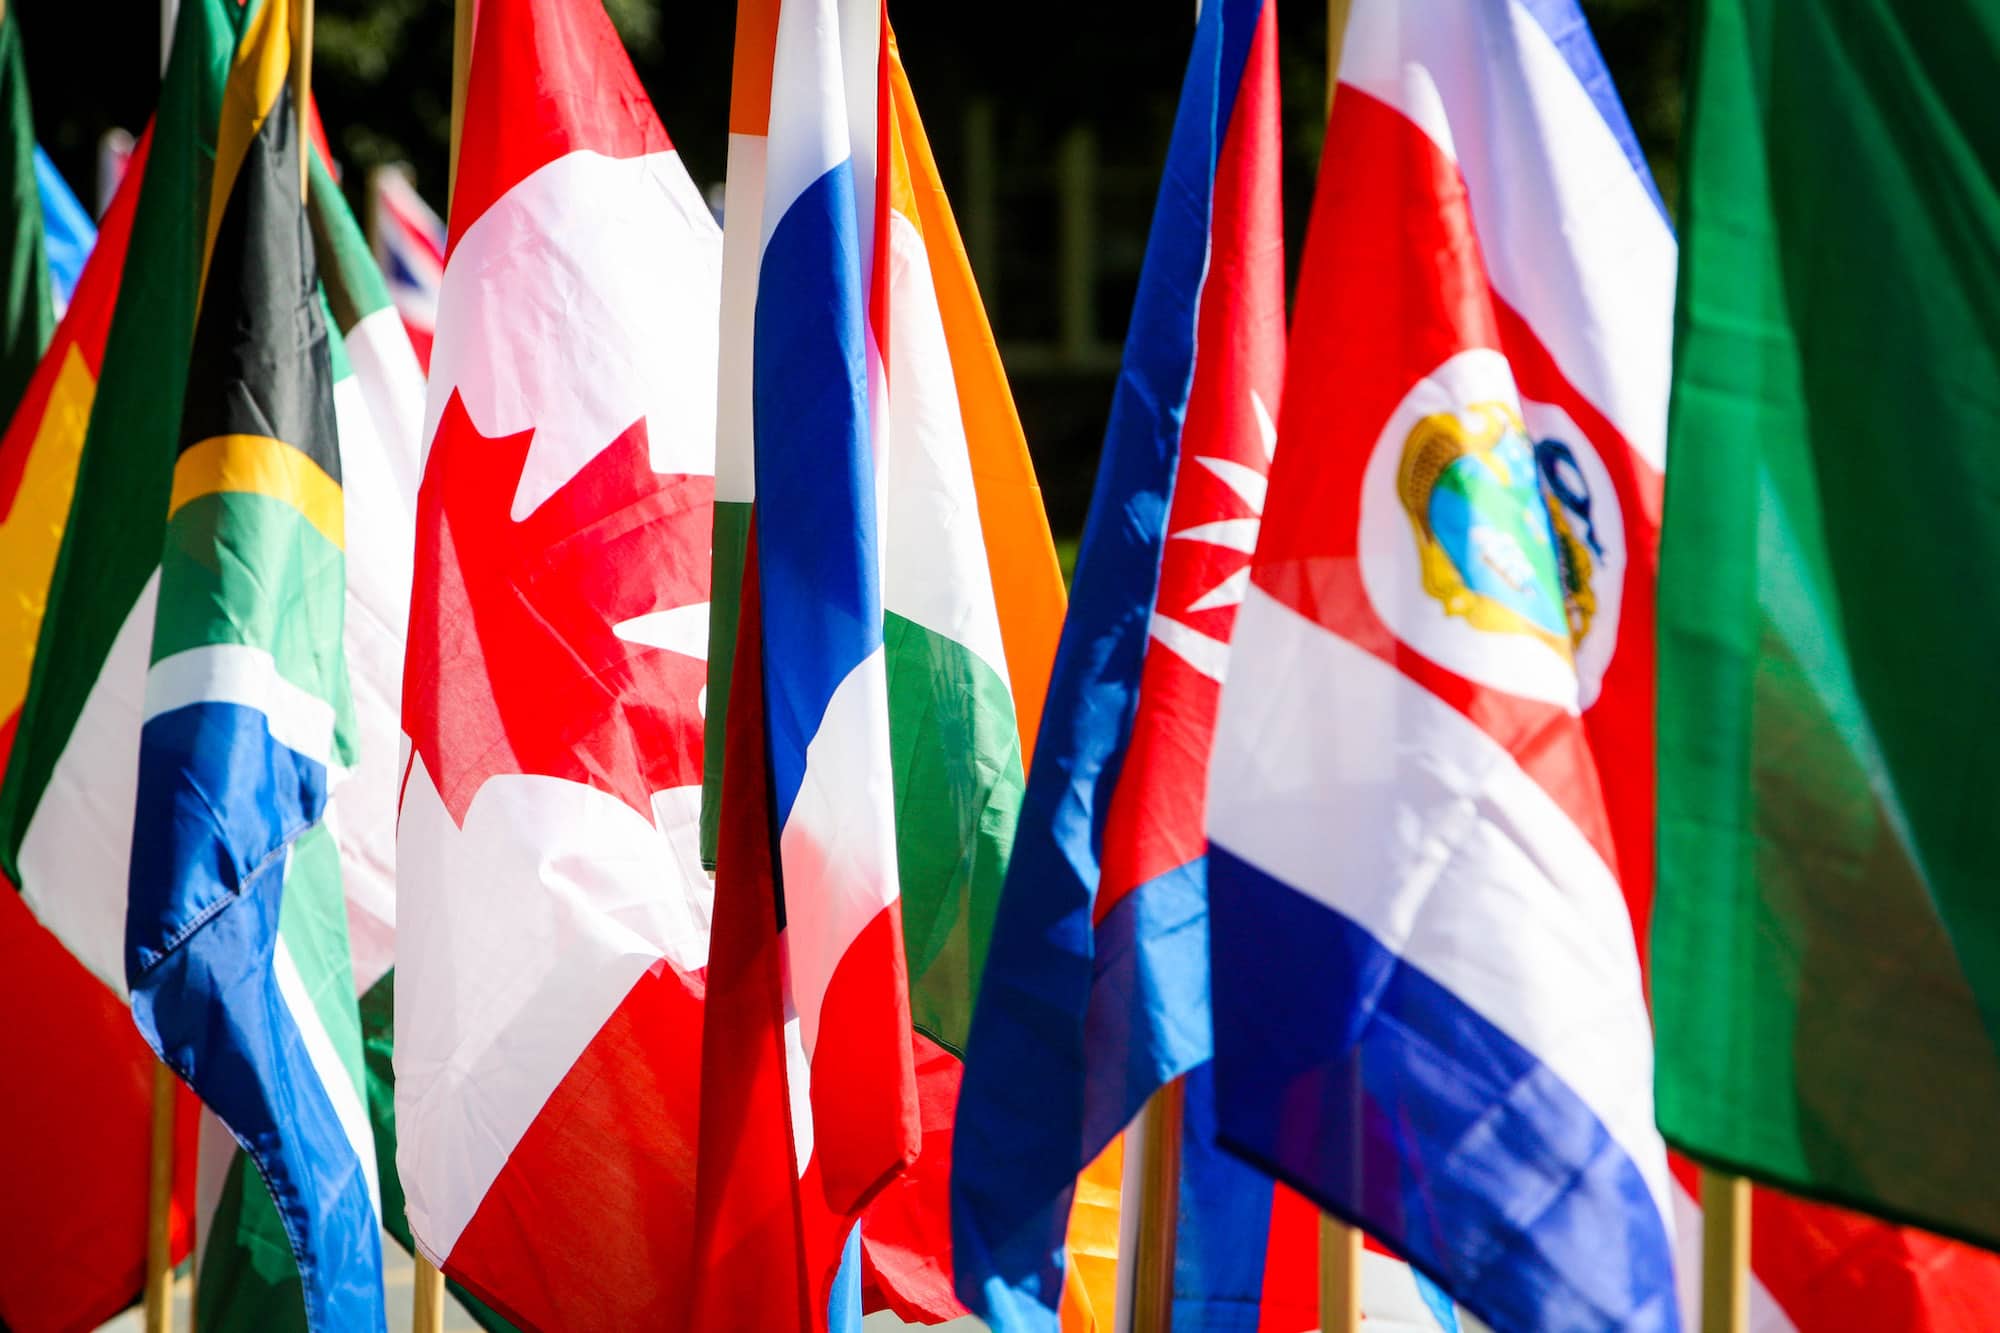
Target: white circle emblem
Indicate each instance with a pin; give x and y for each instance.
(1491, 537)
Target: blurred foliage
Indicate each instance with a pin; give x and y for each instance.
(382, 71)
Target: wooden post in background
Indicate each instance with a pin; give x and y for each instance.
(1725, 1252)
(1339, 1243)
(461, 64)
(427, 1315)
(427, 1306)
(1159, 1176)
(159, 1288)
(1336, 36)
(301, 17)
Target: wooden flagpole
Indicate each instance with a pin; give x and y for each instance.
(156, 1293)
(461, 62)
(427, 1311)
(302, 49)
(159, 1288)
(1152, 1288)
(1339, 1275)
(1339, 1242)
(1725, 1252)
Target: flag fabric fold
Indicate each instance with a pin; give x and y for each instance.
(1824, 948)
(818, 362)
(813, 963)
(552, 914)
(245, 1276)
(409, 246)
(1095, 990)
(1423, 832)
(236, 941)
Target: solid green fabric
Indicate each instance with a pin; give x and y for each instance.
(957, 759)
(27, 305)
(1826, 939)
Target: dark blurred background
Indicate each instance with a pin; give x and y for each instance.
(1049, 122)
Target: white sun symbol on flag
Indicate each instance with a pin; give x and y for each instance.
(1203, 652)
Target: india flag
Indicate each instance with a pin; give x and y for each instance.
(970, 595)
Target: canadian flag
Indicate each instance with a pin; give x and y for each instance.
(553, 921)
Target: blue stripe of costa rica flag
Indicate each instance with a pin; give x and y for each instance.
(1384, 1098)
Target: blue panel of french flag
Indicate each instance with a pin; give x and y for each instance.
(1430, 793)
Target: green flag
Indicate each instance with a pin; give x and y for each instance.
(1826, 946)
(27, 310)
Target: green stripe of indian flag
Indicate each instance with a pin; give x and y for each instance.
(952, 727)
(1825, 963)
(66, 808)
(246, 1277)
(735, 461)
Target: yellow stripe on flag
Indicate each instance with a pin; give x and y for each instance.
(31, 531)
(1090, 1278)
(259, 465)
(256, 76)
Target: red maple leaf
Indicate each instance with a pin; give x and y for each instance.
(513, 665)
